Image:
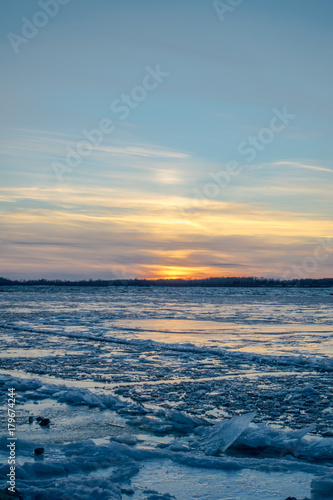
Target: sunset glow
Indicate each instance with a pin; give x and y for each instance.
(206, 174)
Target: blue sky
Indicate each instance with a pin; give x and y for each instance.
(137, 204)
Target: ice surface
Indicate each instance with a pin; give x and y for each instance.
(153, 375)
(187, 483)
(223, 434)
(76, 489)
(260, 436)
(63, 394)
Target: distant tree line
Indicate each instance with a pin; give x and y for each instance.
(207, 282)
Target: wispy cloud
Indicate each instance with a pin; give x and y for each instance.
(293, 164)
(24, 141)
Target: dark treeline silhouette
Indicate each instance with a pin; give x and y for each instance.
(207, 282)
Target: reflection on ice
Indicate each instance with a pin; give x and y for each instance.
(260, 338)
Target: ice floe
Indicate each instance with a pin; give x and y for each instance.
(223, 434)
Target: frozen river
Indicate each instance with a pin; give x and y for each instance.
(138, 381)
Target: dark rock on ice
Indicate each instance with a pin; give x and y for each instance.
(44, 422)
(31, 419)
(127, 491)
(39, 451)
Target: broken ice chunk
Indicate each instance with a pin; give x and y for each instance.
(260, 435)
(128, 439)
(182, 422)
(321, 449)
(223, 434)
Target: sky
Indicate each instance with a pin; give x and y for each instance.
(166, 139)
